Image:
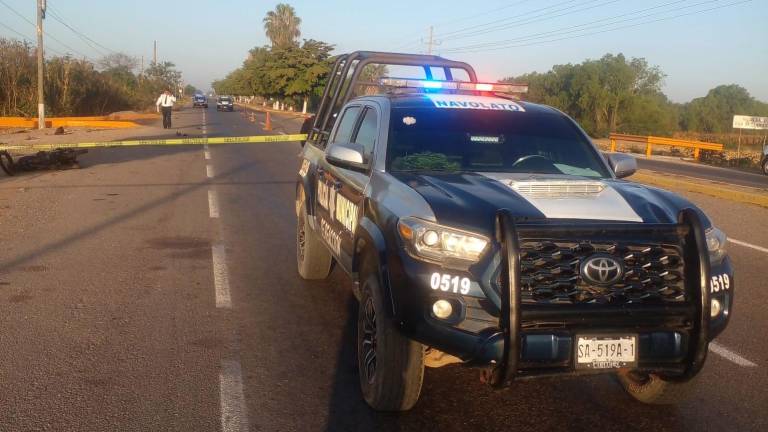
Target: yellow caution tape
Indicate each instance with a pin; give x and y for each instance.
(154, 142)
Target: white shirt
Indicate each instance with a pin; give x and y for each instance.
(165, 100)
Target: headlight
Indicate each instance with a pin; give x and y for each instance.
(438, 243)
(716, 245)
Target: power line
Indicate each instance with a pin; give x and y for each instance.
(444, 23)
(502, 20)
(534, 19)
(587, 26)
(46, 33)
(456, 50)
(55, 14)
(26, 39)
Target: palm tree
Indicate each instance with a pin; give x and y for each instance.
(282, 26)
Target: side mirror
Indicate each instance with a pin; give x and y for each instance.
(623, 165)
(349, 156)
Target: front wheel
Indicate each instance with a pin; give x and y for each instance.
(655, 390)
(765, 166)
(390, 366)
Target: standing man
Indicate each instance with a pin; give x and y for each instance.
(165, 102)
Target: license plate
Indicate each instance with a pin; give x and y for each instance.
(605, 352)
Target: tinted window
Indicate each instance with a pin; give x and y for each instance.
(490, 141)
(347, 125)
(367, 133)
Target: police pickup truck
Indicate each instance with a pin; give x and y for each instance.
(488, 231)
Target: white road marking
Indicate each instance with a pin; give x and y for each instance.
(213, 204)
(221, 276)
(207, 154)
(234, 417)
(281, 133)
(745, 244)
(209, 171)
(730, 355)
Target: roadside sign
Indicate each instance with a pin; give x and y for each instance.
(749, 122)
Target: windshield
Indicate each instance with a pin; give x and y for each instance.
(429, 139)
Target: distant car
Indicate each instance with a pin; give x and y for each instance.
(199, 100)
(225, 103)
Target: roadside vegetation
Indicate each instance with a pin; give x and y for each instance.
(616, 94)
(76, 87)
(287, 71)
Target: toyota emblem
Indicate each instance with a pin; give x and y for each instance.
(602, 270)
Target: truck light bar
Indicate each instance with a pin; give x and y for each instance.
(454, 85)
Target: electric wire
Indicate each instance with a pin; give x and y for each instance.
(44, 32)
(503, 21)
(463, 50)
(56, 14)
(444, 23)
(589, 25)
(530, 20)
(28, 40)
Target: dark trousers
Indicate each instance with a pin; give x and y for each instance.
(166, 117)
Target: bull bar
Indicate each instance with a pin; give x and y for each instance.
(697, 275)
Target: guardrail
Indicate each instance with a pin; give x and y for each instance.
(118, 120)
(650, 141)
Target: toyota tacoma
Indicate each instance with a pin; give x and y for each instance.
(484, 230)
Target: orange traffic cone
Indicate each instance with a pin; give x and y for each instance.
(268, 123)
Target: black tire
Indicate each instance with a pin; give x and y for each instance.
(390, 366)
(765, 166)
(654, 390)
(312, 257)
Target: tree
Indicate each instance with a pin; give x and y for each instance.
(282, 26)
(189, 89)
(599, 93)
(118, 61)
(714, 112)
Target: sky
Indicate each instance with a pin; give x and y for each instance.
(208, 38)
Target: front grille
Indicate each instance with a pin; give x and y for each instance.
(550, 273)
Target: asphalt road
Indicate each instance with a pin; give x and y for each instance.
(690, 169)
(156, 289)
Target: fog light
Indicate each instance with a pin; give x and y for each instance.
(715, 308)
(442, 309)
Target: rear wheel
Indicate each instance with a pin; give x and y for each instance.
(391, 366)
(655, 390)
(312, 257)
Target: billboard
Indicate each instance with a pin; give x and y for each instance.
(749, 122)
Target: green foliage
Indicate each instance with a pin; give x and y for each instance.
(714, 112)
(600, 94)
(614, 94)
(280, 73)
(189, 90)
(76, 87)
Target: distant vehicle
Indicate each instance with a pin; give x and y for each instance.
(764, 162)
(225, 103)
(199, 100)
(489, 231)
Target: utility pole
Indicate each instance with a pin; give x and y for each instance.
(154, 54)
(429, 44)
(40, 63)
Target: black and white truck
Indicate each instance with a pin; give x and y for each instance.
(485, 230)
